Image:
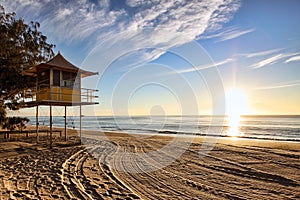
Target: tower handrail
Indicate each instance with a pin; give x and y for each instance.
(86, 95)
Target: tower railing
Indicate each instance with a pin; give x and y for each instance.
(62, 94)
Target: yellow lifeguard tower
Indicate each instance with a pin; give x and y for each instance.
(58, 83)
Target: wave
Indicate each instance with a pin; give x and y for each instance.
(251, 127)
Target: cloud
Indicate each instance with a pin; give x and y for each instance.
(134, 3)
(280, 85)
(276, 58)
(173, 22)
(293, 59)
(268, 61)
(235, 34)
(261, 53)
(228, 34)
(201, 67)
(66, 21)
(223, 14)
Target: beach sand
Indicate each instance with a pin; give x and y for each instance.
(122, 166)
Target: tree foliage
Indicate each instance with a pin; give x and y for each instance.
(22, 46)
(13, 123)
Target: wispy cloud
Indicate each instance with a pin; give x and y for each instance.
(235, 34)
(268, 61)
(280, 85)
(174, 22)
(228, 34)
(262, 53)
(270, 57)
(201, 67)
(293, 59)
(275, 59)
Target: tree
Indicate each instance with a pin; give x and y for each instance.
(22, 46)
(14, 123)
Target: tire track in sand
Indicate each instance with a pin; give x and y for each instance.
(85, 177)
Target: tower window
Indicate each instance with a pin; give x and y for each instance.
(56, 78)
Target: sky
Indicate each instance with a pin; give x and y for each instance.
(177, 57)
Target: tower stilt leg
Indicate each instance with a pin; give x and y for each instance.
(65, 123)
(37, 124)
(50, 126)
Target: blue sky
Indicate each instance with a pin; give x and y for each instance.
(174, 57)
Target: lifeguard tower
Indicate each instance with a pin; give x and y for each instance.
(58, 83)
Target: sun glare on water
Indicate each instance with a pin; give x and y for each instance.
(236, 103)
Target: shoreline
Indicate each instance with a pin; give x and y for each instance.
(73, 138)
(172, 133)
(267, 127)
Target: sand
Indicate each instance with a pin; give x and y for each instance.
(122, 166)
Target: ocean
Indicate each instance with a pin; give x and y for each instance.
(273, 127)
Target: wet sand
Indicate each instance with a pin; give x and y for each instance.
(122, 166)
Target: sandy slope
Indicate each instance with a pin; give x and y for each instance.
(100, 170)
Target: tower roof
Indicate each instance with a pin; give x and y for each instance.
(58, 62)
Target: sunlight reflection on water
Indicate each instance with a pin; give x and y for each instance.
(234, 125)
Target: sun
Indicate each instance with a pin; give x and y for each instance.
(236, 102)
(236, 105)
